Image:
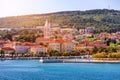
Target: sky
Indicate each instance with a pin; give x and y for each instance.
(25, 7)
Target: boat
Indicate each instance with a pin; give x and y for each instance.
(50, 60)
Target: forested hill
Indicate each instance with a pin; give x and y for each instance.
(102, 19)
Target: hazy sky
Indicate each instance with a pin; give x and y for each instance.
(23, 7)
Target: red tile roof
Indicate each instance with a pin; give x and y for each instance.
(38, 46)
(8, 49)
(28, 44)
(42, 39)
(60, 41)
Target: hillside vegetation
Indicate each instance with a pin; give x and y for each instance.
(102, 19)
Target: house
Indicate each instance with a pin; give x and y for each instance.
(68, 36)
(9, 44)
(19, 48)
(37, 49)
(82, 31)
(67, 46)
(87, 35)
(61, 45)
(98, 43)
(82, 47)
(7, 50)
(54, 45)
(78, 37)
(90, 29)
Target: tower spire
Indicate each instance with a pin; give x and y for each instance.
(46, 22)
(47, 29)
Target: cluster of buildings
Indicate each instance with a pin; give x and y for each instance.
(59, 39)
(41, 45)
(113, 36)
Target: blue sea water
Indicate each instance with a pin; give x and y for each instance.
(33, 70)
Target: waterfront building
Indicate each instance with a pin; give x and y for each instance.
(61, 45)
(55, 45)
(37, 49)
(19, 48)
(7, 50)
(67, 46)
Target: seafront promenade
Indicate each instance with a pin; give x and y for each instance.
(89, 61)
(63, 60)
(20, 58)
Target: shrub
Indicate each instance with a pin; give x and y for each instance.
(114, 55)
(99, 55)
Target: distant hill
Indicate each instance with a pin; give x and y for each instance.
(102, 19)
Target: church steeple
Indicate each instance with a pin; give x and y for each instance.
(46, 23)
(47, 29)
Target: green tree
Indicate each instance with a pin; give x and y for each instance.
(12, 54)
(53, 53)
(82, 52)
(2, 53)
(95, 50)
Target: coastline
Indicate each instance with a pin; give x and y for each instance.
(75, 60)
(91, 61)
(21, 58)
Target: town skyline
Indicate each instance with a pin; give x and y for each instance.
(16, 8)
